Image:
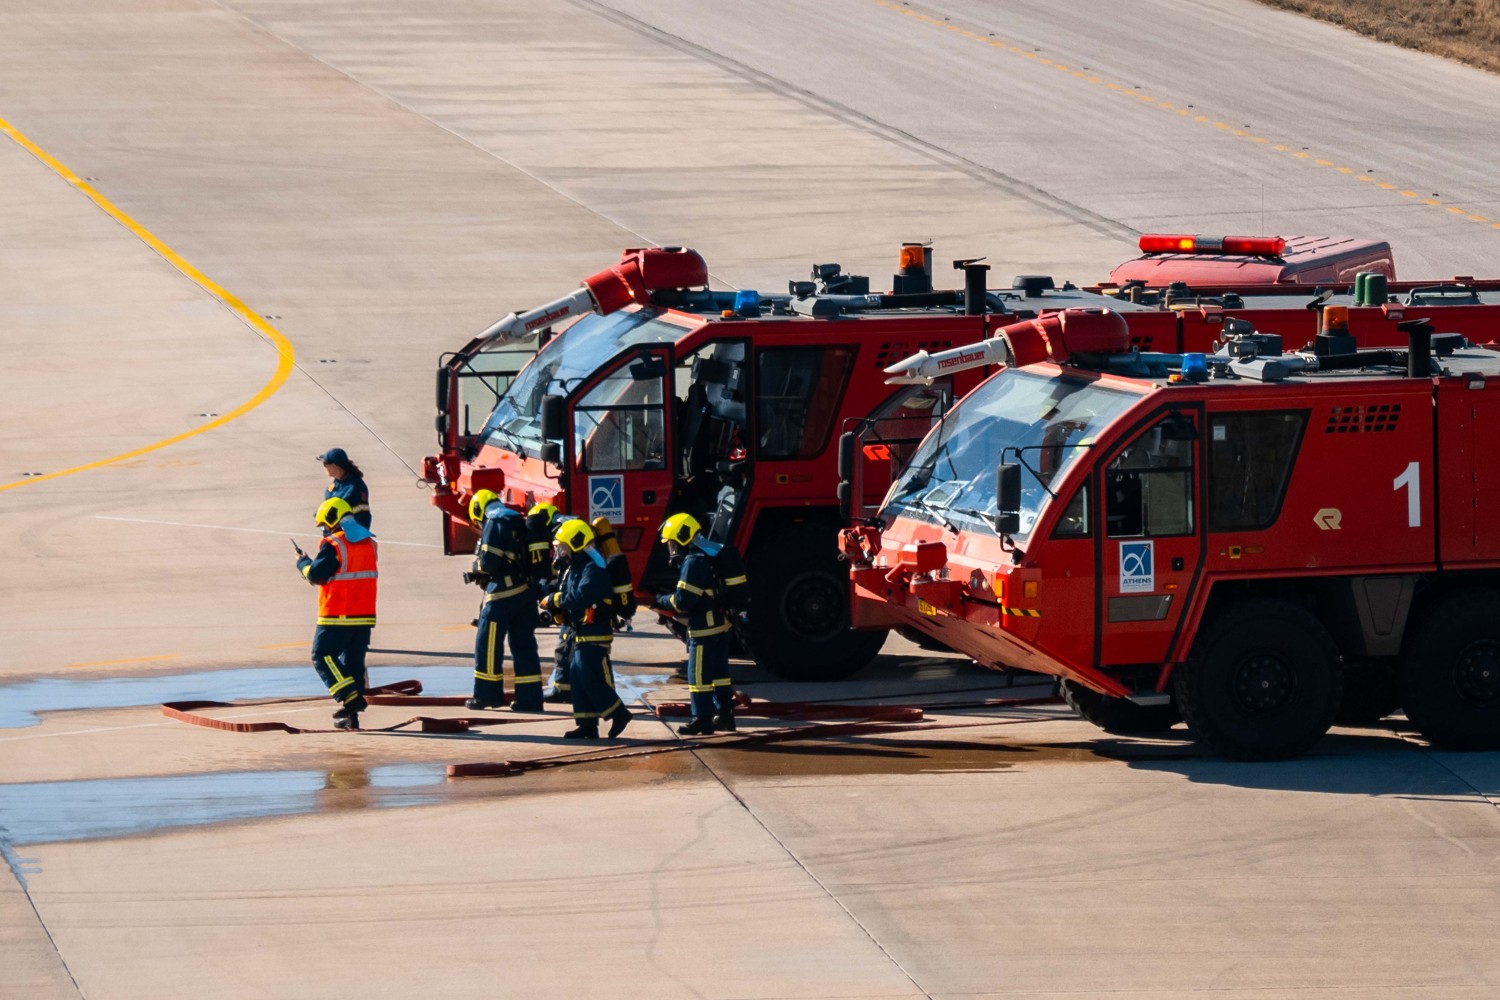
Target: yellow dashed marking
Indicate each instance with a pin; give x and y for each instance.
(1119, 88)
(285, 354)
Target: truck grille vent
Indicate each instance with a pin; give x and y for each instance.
(1370, 418)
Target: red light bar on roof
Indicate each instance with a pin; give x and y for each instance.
(1246, 246)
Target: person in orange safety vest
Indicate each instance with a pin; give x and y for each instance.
(344, 573)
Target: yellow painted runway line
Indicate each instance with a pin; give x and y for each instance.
(132, 659)
(904, 7)
(285, 353)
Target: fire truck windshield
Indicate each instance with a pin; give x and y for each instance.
(565, 363)
(1041, 423)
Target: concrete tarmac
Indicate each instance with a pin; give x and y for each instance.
(239, 233)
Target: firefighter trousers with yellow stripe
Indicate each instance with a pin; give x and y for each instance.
(338, 655)
(512, 618)
(708, 675)
(593, 681)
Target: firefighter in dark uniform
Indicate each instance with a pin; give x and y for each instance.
(698, 599)
(541, 523)
(348, 484)
(344, 573)
(502, 567)
(584, 598)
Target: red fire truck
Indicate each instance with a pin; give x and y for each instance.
(665, 396)
(658, 395)
(1242, 537)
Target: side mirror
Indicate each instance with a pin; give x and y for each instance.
(553, 428)
(442, 390)
(552, 453)
(1008, 490)
(847, 443)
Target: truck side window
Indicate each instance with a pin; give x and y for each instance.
(1250, 458)
(798, 390)
(1074, 521)
(1149, 487)
(619, 425)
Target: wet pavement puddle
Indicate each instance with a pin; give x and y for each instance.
(53, 811)
(20, 703)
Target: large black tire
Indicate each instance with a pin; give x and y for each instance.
(798, 625)
(1263, 682)
(1371, 691)
(1118, 716)
(1451, 673)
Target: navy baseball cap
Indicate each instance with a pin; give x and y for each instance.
(335, 455)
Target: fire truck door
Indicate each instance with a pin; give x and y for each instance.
(621, 447)
(1152, 540)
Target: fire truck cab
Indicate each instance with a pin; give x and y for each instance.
(1244, 536)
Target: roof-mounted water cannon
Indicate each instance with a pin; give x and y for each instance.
(641, 270)
(1054, 337)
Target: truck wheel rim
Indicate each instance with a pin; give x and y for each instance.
(1263, 683)
(814, 607)
(1478, 673)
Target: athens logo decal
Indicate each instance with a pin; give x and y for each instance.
(1137, 567)
(607, 497)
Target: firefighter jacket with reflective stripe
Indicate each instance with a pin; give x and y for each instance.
(585, 597)
(344, 570)
(697, 597)
(539, 543)
(351, 489)
(502, 554)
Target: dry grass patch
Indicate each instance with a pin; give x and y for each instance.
(1465, 30)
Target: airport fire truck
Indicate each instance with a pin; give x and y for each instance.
(656, 395)
(1241, 536)
(665, 396)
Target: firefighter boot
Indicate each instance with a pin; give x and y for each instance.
(703, 725)
(618, 720)
(724, 720)
(353, 706)
(345, 719)
(475, 705)
(588, 729)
